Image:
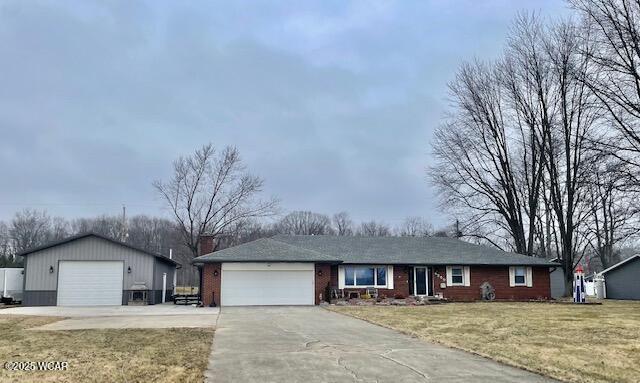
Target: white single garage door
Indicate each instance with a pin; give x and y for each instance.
(253, 284)
(90, 283)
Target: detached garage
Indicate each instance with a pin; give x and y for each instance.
(621, 280)
(94, 270)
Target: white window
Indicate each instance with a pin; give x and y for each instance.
(458, 276)
(520, 276)
(365, 276)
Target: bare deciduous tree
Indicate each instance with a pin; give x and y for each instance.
(342, 224)
(109, 226)
(210, 191)
(415, 227)
(613, 29)
(6, 248)
(304, 223)
(374, 229)
(29, 228)
(513, 155)
(613, 210)
(475, 167)
(569, 138)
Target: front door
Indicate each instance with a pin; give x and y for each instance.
(421, 281)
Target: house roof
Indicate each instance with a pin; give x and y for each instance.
(265, 250)
(369, 250)
(636, 256)
(92, 234)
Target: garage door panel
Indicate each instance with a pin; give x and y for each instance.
(267, 287)
(93, 283)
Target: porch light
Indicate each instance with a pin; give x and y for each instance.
(129, 270)
(215, 273)
(50, 269)
(319, 273)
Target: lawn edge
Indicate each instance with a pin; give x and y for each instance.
(408, 333)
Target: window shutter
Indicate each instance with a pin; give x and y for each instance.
(512, 276)
(389, 277)
(340, 277)
(449, 280)
(467, 276)
(529, 277)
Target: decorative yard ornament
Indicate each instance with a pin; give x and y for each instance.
(579, 294)
(487, 291)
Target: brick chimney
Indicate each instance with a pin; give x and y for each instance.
(207, 244)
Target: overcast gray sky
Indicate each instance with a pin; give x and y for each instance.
(331, 102)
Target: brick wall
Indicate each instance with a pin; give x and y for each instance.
(498, 277)
(323, 278)
(326, 274)
(206, 244)
(211, 283)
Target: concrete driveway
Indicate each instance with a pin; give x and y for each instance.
(310, 344)
(97, 317)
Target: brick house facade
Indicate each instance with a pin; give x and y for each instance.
(498, 277)
(324, 275)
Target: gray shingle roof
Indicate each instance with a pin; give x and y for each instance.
(370, 250)
(265, 250)
(92, 234)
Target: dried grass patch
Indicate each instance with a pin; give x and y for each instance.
(595, 343)
(124, 355)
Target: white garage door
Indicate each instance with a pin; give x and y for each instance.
(252, 284)
(90, 283)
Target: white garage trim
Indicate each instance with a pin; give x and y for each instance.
(253, 284)
(267, 266)
(90, 283)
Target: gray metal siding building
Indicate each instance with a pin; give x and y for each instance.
(42, 267)
(557, 282)
(623, 280)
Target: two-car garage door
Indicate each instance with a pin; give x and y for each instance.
(250, 284)
(90, 283)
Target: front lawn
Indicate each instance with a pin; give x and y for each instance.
(128, 355)
(594, 343)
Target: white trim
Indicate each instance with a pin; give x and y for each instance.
(258, 266)
(450, 276)
(512, 276)
(529, 277)
(340, 277)
(427, 281)
(619, 264)
(466, 275)
(175, 280)
(390, 277)
(526, 276)
(164, 287)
